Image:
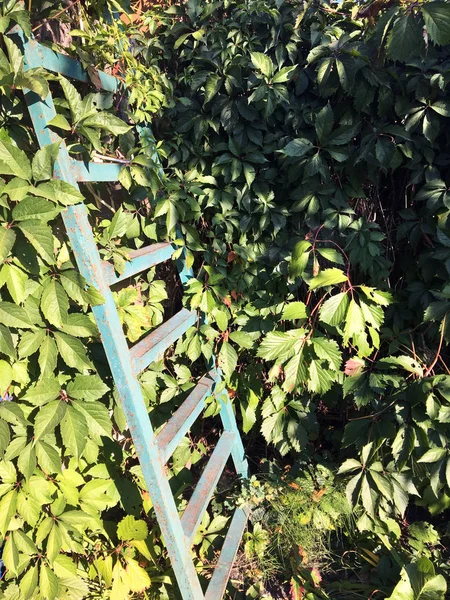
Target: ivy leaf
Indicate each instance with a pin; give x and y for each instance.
(7, 239)
(12, 315)
(297, 148)
(227, 359)
(130, 528)
(73, 98)
(59, 191)
(108, 122)
(48, 417)
(212, 86)
(14, 161)
(437, 20)
(87, 387)
(328, 350)
(40, 236)
(327, 277)
(405, 38)
(263, 63)
(54, 303)
(48, 583)
(74, 431)
(34, 209)
(27, 461)
(293, 311)
(7, 510)
(48, 355)
(97, 417)
(73, 352)
(44, 161)
(324, 123)
(300, 257)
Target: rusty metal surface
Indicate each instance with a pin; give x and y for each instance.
(156, 343)
(218, 583)
(139, 260)
(179, 424)
(205, 487)
(125, 364)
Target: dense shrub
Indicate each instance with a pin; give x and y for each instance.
(306, 154)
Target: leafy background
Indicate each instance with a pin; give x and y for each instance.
(305, 148)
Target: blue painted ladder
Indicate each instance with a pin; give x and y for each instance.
(127, 363)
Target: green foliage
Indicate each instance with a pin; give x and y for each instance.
(306, 148)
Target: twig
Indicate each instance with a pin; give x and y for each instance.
(438, 353)
(55, 16)
(121, 161)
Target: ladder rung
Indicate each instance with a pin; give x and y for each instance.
(156, 343)
(90, 171)
(180, 422)
(218, 583)
(202, 494)
(139, 260)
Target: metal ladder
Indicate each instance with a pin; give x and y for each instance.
(127, 363)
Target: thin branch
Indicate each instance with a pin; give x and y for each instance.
(438, 353)
(55, 16)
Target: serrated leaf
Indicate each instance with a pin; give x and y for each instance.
(73, 352)
(79, 325)
(328, 350)
(87, 387)
(7, 510)
(30, 342)
(437, 21)
(73, 98)
(7, 239)
(297, 148)
(29, 583)
(262, 62)
(300, 257)
(44, 161)
(130, 528)
(14, 316)
(34, 209)
(227, 359)
(40, 236)
(48, 458)
(324, 124)
(107, 122)
(27, 461)
(48, 417)
(59, 191)
(14, 161)
(405, 38)
(74, 431)
(97, 417)
(16, 281)
(212, 86)
(327, 277)
(55, 303)
(48, 355)
(433, 455)
(48, 583)
(293, 311)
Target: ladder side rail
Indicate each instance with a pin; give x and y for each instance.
(116, 347)
(39, 55)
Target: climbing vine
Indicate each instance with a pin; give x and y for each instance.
(305, 150)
